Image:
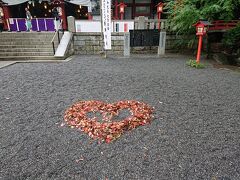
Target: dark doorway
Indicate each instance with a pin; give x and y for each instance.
(18, 11)
(37, 10)
(77, 11)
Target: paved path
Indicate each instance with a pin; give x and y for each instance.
(6, 63)
(195, 134)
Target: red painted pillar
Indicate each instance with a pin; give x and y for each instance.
(116, 9)
(159, 21)
(199, 48)
(121, 16)
(89, 16)
(7, 15)
(64, 18)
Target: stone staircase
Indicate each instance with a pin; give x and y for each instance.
(24, 46)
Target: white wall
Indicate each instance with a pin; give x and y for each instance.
(129, 25)
(88, 26)
(95, 26)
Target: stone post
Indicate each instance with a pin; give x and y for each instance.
(71, 24)
(162, 43)
(141, 22)
(126, 44)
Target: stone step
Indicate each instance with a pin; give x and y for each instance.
(25, 42)
(24, 34)
(26, 54)
(26, 39)
(26, 46)
(29, 58)
(27, 33)
(26, 49)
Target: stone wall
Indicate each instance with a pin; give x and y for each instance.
(91, 43)
(171, 45)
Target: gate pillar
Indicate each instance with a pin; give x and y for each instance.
(162, 43)
(126, 44)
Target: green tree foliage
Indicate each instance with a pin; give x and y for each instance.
(184, 13)
(231, 39)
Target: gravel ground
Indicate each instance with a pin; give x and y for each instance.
(195, 134)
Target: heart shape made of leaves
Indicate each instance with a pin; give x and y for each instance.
(108, 129)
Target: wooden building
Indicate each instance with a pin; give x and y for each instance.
(80, 9)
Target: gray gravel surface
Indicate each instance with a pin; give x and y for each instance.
(195, 134)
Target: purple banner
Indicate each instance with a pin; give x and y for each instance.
(38, 24)
(34, 25)
(50, 24)
(12, 24)
(42, 25)
(22, 24)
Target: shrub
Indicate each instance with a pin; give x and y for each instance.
(193, 63)
(231, 39)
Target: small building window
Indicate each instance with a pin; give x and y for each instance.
(142, 1)
(142, 9)
(128, 1)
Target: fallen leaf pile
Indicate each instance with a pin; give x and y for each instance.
(109, 129)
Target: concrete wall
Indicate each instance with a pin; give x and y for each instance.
(91, 43)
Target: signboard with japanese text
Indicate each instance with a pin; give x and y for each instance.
(106, 20)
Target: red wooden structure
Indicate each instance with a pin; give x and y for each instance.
(55, 3)
(135, 8)
(223, 25)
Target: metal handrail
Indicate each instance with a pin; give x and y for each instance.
(56, 33)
